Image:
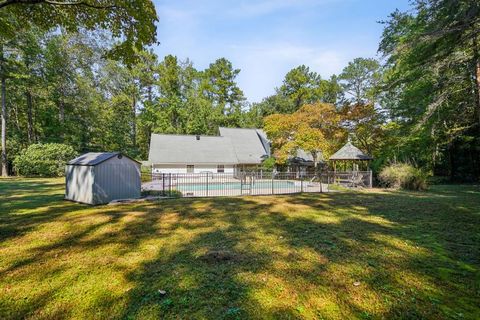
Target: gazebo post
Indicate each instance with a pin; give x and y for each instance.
(351, 158)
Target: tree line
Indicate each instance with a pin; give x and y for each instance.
(98, 86)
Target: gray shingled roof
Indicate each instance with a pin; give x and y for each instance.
(303, 157)
(181, 149)
(92, 158)
(350, 152)
(264, 140)
(251, 145)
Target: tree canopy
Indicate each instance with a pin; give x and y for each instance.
(132, 23)
(82, 73)
(314, 128)
(432, 81)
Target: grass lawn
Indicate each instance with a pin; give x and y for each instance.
(372, 254)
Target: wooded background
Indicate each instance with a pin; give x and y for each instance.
(84, 74)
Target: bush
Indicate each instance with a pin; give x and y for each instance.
(160, 193)
(269, 164)
(405, 176)
(46, 160)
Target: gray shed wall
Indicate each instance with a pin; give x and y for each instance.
(79, 183)
(116, 179)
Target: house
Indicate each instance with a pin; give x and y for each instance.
(234, 150)
(100, 177)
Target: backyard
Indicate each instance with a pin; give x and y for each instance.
(351, 254)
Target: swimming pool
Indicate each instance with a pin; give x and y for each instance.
(234, 185)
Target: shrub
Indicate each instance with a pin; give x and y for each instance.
(160, 193)
(269, 164)
(46, 160)
(405, 176)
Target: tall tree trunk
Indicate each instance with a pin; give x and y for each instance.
(61, 111)
(30, 130)
(476, 63)
(4, 114)
(15, 113)
(134, 123)
(477, 82)
(451, 156)
(61, 118)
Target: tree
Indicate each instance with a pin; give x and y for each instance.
(365, 124)
(220, 87)
(333, 91)
(4, 112)
(314, 128)
(300, 86)
(131, 21)
(432, 83)
(270, 105)
(360, 79)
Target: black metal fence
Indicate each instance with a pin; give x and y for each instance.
(350, 179)
(209, 184)
(229, 184)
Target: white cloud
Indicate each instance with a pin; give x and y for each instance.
(264, 49)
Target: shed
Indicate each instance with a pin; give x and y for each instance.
(100, 177)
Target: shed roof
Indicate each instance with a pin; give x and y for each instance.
(94, 158)
(350, 152)
(170, 148)
(250, 145)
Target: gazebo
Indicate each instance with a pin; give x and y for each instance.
(349, 154)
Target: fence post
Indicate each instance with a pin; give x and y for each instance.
(370, 182)
(170, 185)
(163, 182)
(273, 191)
(321, 184)
(301, 184)
(207, 183)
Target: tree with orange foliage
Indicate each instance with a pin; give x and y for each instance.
(314, 128)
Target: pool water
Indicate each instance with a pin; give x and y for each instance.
(235, 186)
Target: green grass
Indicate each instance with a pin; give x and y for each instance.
(359, 254)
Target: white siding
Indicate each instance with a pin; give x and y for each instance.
(169, 168)
(79, 183)
(198, 168)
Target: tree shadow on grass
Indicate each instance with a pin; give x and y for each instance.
(26, 204)
(404, 262)
(345, 255)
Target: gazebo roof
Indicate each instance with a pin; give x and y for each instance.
(350, 152)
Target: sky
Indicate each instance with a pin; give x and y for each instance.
(267, 38)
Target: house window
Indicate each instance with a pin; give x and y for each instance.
(220, 168)
(190, 168)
